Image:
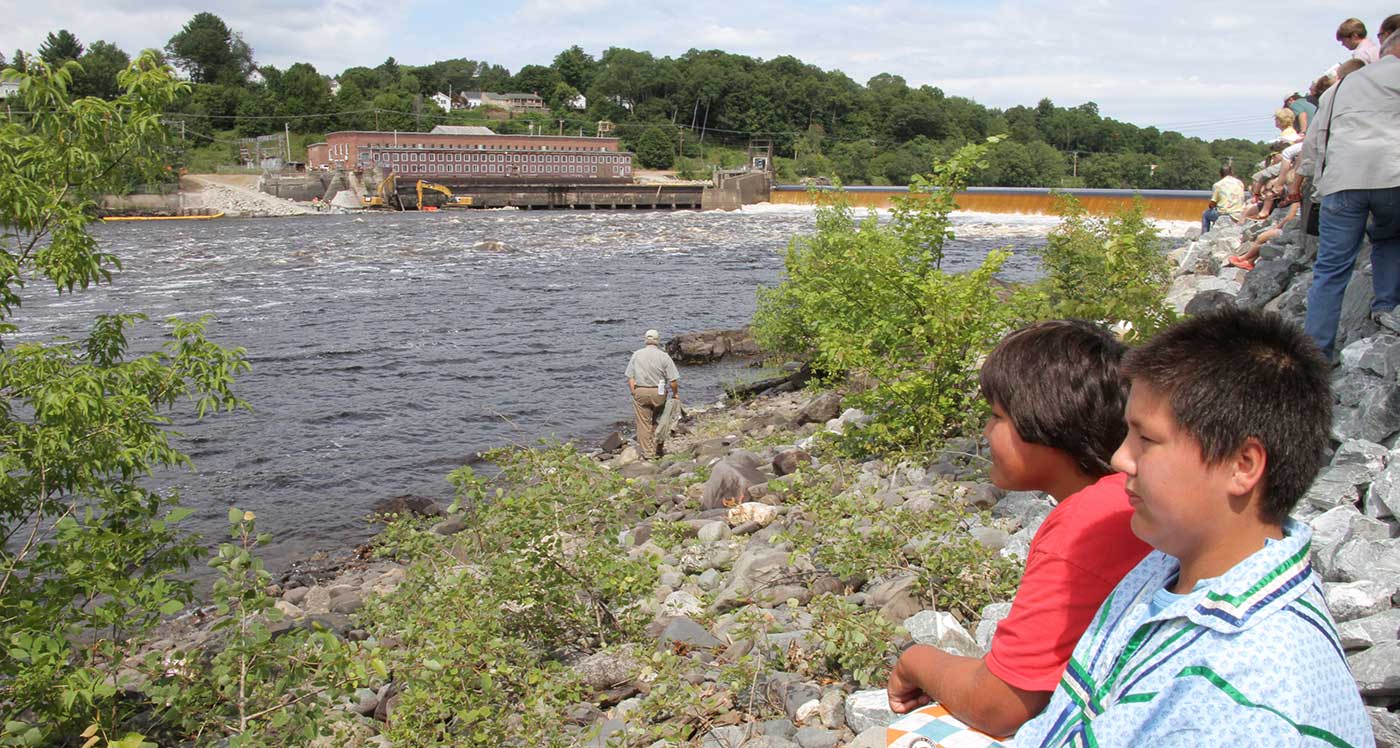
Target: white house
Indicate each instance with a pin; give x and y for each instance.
(579, 102)
(8, 89)
(444, 101)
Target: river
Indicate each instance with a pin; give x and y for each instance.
(387, 348)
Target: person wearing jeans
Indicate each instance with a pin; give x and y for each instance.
(1353, 154)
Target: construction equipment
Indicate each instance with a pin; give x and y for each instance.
(451, 200)
(380, 198)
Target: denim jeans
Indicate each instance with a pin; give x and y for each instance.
(1343, 219)
(1208, 218)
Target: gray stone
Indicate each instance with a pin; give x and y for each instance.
(713, 531)
(1332, 527)
(868, 709)
(987, 627)
(1379, 355)
(730, 478)
(681, 603)
(1267, 280)
(816, 737)
(1386, 725)
(1377, 669)
(871, 737)
(295, 595)
(708, 580)
(639, 469)
(347, 602)
(942, 630)
(820, 409)
(689, 632)
(993, 538)
(789, 461)
(1375, 419)
(762, 571)
(1339, 484)
(1018, 546)
(604, 731)
(731, 736)
(366, 700)
(782, 728)
(1209, 301)
(1359, 558)
(317, 601)
(1360, 452)
(1383, 497)
(1366, 632)
(770, 741)
(450, 526)
(1351, 600)
(833, 708)
(603, 670)
(797, 697)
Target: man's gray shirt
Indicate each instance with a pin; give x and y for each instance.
(651, 366)
(1360, 150)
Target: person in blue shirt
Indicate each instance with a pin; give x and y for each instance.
(1220, 636)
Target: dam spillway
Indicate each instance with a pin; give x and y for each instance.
(1167, 205)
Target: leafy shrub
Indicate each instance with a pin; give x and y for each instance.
(859, 644)
(1105, 269)
(864, 297)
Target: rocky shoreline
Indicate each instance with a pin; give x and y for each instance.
(731, 558)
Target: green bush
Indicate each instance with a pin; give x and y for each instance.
(862, 297)
(1105, 269)
(655, 149)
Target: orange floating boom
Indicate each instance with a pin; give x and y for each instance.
(1167, 205)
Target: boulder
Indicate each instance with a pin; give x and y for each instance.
(752, 511)
(871, 737)
(771, 741)
(764, 572)
(686, 631)
(681, 603)
(1360, 558)
(1383, 497)
(1377, 669)
(712, 531)
(422, 506)
(987, 626)
(942, 630)
(1361, 452)
(639, 469)
(1266, 281)
(1351, 600)
(603, 670)
(816, 737)
(1386, 725)
(1339, 484)
(867, 709)
(705, 346)
(789, 461)
(1378, 355)
(833, 708)
(450, 526)
(1365, 632)
(820, 409)
(1209, 301)
(730, 479)
(613, 442)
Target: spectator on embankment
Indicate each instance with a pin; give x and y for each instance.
(1226, 200)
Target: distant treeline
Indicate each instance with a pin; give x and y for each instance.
(821, 123)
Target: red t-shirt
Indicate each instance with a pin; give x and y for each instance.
(1076, 558)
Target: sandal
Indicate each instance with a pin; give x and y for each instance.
(1240, 262)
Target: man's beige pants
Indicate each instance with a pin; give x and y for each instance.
(648, 405)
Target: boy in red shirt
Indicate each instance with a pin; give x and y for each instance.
(1057, 416)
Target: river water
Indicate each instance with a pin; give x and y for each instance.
(387, 348)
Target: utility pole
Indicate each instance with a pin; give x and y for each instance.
(561, 126)
(287, 138)
(1076, 163)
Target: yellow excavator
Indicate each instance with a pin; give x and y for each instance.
(452, 200)
(380, 198)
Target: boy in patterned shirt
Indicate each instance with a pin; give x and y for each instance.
(1221, 635)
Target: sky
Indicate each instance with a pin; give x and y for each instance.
(1207, 69)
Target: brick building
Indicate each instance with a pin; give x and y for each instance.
(457, 157)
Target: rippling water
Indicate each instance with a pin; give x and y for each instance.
(387, 348)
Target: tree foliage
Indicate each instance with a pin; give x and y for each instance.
(59, 47)
(210, 52)
(87, 550)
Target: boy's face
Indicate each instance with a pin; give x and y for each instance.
(1017, 465)
(1178, 500)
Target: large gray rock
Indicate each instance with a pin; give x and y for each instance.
(1377, 669)
(867, 709)
(1386, 725)
(987, 626)
(1028, 508)
(820, 409)
(1339, 484)
(1360, 558)
(1383, 497)
(603, 670)
(788, 461)
(763, 573)
(942, 630)
(729, 736)
(872, 737)
(771, 741)
(689, 632)
(1378, 355)
(730, 479)
(1360, 452)
(816, 737)
(896, 598)
(1371, 630)
(1352, 600)
(1266, 281)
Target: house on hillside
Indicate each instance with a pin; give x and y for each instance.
(579, 102)
(8, 89)
(516, 103)
(468, 99)
(443, 101)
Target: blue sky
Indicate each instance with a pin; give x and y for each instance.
(1209, 69)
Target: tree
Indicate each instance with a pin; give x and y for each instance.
(536, 79)
(101, 65)
(576, 67)
(210, 52)
(655, 150)
(88, 549)
(60, 47)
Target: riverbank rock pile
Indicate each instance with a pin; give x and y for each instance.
(1354, 505)
(240, 202)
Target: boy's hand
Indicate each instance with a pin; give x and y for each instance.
(903, 690)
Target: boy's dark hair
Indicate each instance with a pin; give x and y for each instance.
(1235, 373)
(1059, 383)
(1351, 27)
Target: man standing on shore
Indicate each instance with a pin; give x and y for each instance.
(648, 374)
